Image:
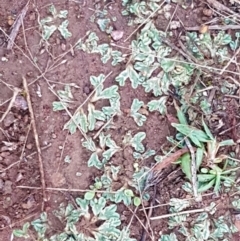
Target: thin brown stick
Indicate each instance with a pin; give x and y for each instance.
(64, 189)
(63, 147)
(24, 219)
(171, 18)
(16, 91)
(16, 26)
(25, 142)
(36, 141)
(108, 122)
(215, 27)
(179, 213)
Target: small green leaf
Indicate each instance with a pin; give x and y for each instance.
(137, 201)
(136, 142)
(83, 121)
(63, 29)
(205, 177)
(90, 145)
(128, 192)
(138, 118)
(120, 196)
(136, 105)
(133, 76)
(207, 131)
(89, 195)
(122, 77)
(159, 105)
(109, 212)
(229, 142)
(94, 161)
(98, 205)
(199, 157)
(205, 186)
(22, 233)
(63, 14)
(57, 105)
(103, 24)
(53, 10)
(194, 134)
(186, 165)
(168, 65)
(48, 31)
(170, 237)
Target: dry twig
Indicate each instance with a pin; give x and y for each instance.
(36, 141)
(214, 27)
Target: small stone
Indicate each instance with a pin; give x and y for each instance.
(63, 47)
(29, 146)
(117, 35)
(21, 103)
(203, 29)
(98, 125)
(54, 136)
(4, 59)
(19, 177)
(10, 20)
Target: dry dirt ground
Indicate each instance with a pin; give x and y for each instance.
(18, 159)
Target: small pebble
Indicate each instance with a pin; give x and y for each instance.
(54, 136)
(4, 59)
(117, 35)
(29, 146)
(63, 47)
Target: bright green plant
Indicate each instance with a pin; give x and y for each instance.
(49, 24)
(105, 50)
(87, 122)
(65, 97)
(205, 46)
(107, 148)
(213, 175)
(138, 117)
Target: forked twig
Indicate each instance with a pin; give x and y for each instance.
(214, 27)
(36, 141)
(201, 210)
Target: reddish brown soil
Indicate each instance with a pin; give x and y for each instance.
(17, 204)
